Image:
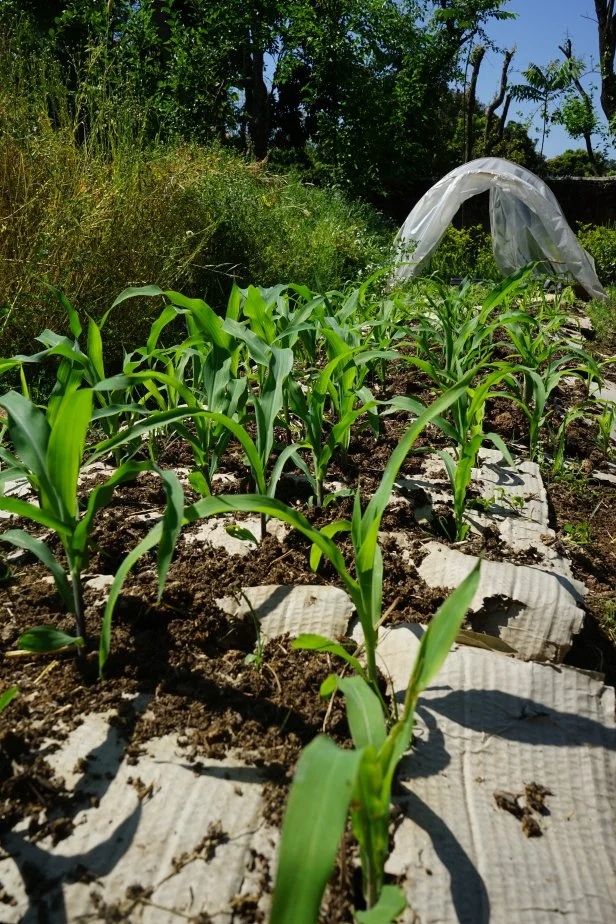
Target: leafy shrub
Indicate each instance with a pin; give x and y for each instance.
(92, 213)
(600, 242)
(465, 252)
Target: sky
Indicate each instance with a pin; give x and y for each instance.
(539, 29)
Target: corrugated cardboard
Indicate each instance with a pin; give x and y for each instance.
(293, 609)
(534, 611)
(148, 831)
(493, 724)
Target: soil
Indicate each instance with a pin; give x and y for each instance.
(190, 657)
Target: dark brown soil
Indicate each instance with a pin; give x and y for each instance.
(190, 657)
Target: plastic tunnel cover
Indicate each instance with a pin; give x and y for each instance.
(527, 223)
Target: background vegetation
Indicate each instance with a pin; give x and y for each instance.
(193, 142)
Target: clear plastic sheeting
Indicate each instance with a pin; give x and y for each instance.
(527, 223)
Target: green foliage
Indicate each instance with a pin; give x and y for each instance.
(49, 452)
(600, 242)
(7, 697)
(576, 163)
(465, 252)
(47, 639)
(359, 782)
(196, 70)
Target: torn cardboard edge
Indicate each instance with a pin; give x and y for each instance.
(167, 836)
(293, 609)
(163, 838)
(489, 730)
(534, 611)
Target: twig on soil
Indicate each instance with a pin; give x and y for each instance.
(46, 670)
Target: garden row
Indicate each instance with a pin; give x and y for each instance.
(361, 424)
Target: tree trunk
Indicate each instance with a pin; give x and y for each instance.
(568, 53)
(503, 119)
(496, 102)
(257, 101)
(476, 58)
(607, 50)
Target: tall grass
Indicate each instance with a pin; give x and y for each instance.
(87, 206)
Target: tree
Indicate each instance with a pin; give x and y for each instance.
(576, 163)
(543, 87)
(475, 58)
(577, 112)
(606, 20)
(489, 138)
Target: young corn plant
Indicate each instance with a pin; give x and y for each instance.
(455, 336)
(332, 784)
(49, 454)
(212, 354)
(82, 364)
(322, 441)
(468, 435)
(366, 587)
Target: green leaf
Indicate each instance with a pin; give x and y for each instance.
(328, 686)
(240, 532)
(255, 503)
(309, 641)
(7, 697)
(441, 633)
(132, 291)
(314, 821)
(31, 512)
(391, 903)
(364, 713)
(29, 432)
(66, 445)
(47, 639)
(331, 530)
(22, 540)
(95, 349)
(172, 524)
(378, 502)
(497, 441)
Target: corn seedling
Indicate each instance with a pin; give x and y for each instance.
(49, 453)
(606, 422)
(331, 783)
(309, 407)
(366, 587)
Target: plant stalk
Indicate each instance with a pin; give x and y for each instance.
(80, 623)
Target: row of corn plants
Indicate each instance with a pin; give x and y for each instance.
(289, 377)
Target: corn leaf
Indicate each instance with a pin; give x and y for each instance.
(255, 503)
(172, 524)
(95, 349)
(7, 697)
(309, 641)
(31, 512)
(391, 903)
(66, 445)
(441, 633)
(364, 713)
(378, 502)
(23, 540)
(47, 639)
(133, 291)
(30, 432)
(314, 821)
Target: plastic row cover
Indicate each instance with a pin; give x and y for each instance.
(526, 220)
